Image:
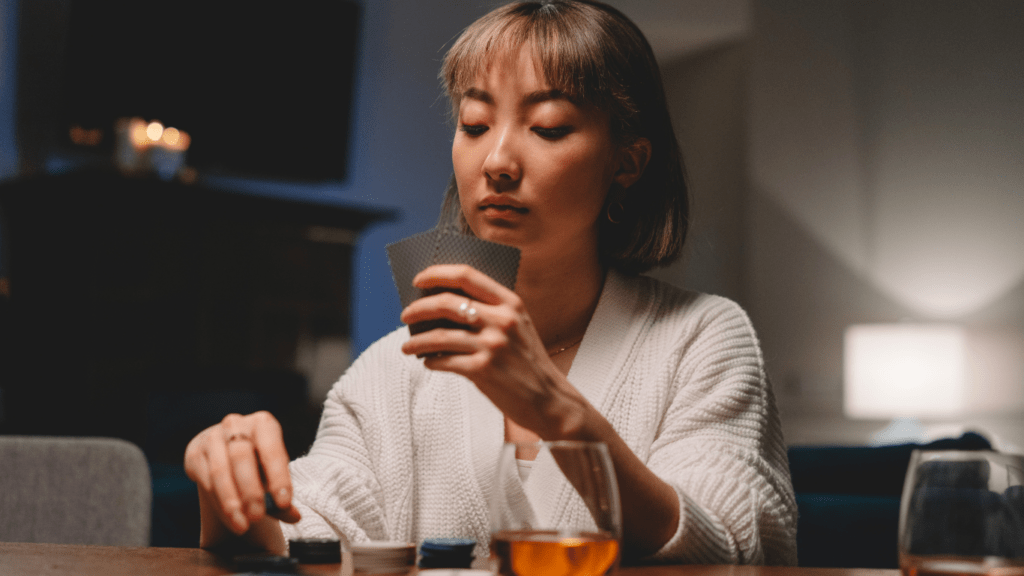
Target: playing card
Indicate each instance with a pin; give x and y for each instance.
(446, 246)
(407, 257)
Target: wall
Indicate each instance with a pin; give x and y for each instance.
(885, 158)
(402, 139)
(706, 94)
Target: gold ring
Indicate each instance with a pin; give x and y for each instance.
(239, 436)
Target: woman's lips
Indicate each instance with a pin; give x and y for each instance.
(504, 208)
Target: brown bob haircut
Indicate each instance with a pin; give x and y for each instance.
(594, 55)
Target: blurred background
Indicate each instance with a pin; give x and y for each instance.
(853, 163)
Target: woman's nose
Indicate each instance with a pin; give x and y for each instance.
(502, 163)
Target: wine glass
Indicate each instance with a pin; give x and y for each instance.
(555, 510)
(962, 513)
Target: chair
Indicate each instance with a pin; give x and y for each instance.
(67, 490)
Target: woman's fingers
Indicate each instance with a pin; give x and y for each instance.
(474, 283)
(476, 316)
(273, 458)
(221, 483)
(440, 341)
(495, 317)
(447, 305)
(236, 463)
(245, 469)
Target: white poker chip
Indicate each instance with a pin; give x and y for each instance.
(383, 556)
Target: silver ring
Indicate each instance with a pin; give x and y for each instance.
(468, 311)
(239, 436)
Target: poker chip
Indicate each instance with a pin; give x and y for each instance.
(446, 553)
(383, 557)
(315, 550)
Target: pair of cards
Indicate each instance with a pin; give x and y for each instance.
(446, 246)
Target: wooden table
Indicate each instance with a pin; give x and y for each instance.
(18, 559)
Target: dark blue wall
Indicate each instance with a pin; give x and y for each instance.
(8, 33)
(8, 149)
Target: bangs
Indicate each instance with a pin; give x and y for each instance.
(565, 50)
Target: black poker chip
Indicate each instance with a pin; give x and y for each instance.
(315, 550)
(265, 563)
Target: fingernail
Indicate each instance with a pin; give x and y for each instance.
(282, 493)
(270, 505)
(239, 519)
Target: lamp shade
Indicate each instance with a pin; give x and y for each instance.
(904, 370)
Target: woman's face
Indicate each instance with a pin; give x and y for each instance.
(532, 168)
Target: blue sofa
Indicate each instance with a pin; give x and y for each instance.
(848, 499)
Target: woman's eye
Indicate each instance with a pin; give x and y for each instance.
(473, 129)
(552, 133)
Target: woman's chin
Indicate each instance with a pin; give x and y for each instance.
(500, 235)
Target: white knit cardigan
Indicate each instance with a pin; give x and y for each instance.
(405, 453)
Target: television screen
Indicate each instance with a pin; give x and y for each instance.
(262, 90)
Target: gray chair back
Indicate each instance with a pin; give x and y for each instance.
(68, 490)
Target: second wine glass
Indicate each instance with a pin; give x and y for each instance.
(962, 514)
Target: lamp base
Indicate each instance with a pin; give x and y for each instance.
(904, 430)
(900, 431)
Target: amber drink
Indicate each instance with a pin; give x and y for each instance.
(959, 566)
(550, 553)
(555, 511)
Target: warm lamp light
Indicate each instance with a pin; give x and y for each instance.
(904, 371)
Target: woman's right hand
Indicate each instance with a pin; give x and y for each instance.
(234, 463)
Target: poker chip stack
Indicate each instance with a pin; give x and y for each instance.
(383, 557)
(315, 550)
(446, 553)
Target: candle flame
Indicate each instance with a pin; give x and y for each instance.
(170, 136)
(154, 130)
(137, 133)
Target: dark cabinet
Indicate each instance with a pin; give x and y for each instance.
(137, 302)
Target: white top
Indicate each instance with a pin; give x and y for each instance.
(525, 466)
(405, 453)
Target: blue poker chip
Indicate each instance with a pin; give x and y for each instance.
(446, 553)
(448, 544)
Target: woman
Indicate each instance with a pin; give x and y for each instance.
(565, 150)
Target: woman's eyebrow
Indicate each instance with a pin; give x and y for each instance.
(543, 96)
(478, 94)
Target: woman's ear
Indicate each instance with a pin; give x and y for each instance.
(633, 162)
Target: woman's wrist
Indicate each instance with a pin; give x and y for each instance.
(572, 417)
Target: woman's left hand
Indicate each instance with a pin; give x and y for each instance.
(501, 353)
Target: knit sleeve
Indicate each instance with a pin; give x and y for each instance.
(339, 486)
(720, 447)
